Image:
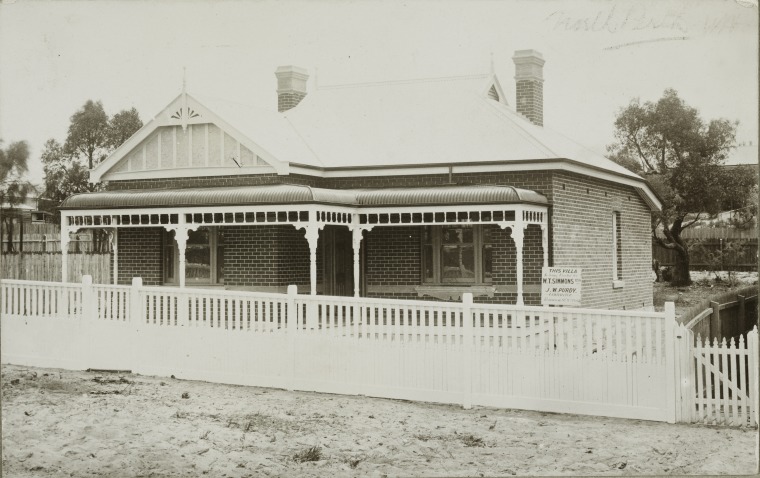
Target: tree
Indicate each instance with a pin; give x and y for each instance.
(13, 187)
(91, 137)
(88, 131)
(121, 127)
(681, 156)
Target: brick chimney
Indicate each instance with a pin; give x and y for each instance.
(529, 78)
(291, 86)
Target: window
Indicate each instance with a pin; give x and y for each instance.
(617, 248)
(456, 255)
(204, 257)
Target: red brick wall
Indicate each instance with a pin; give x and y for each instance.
(266, 256)
(393, 261)
(140, 255)
(582, 228)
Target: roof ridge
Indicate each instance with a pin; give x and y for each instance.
(406, 81)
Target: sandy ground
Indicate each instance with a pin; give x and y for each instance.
(86, 424)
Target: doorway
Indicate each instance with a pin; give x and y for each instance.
(338, 256)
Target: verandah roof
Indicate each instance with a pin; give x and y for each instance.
(299, 194)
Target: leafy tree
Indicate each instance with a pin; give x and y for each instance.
(681, 156)
(121, 127)
(13, 187)
(88, 132)
(91, 137)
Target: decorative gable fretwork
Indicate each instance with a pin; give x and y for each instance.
(199, 146)
(186, 113)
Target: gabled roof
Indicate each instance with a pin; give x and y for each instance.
(399, 124)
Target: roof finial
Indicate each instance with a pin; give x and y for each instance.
(185, 112)
(493, 71)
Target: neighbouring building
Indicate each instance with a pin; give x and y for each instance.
(395, 189)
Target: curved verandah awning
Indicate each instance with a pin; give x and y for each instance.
(308, 208)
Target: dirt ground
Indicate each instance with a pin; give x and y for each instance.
(704, 285)
(90, 424)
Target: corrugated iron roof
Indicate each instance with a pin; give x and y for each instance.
(298, 194)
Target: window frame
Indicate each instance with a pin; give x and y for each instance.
(617, 250)
(436, 247)
(214, 252)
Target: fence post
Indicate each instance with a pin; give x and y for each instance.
(715, 325)
(291, 330)
(467, 337)
(135, 311)
(753, 372)
(183, 309)
(742, 314)
(671, 373)
(87, 305)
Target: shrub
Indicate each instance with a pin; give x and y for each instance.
(310, 454)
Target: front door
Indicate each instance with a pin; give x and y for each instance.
(338, 261)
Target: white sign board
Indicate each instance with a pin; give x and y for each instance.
(561, 286)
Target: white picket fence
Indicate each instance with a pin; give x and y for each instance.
(588, 361)
(718, 380)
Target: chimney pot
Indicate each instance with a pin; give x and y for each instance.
(529, 79)
(291, 86)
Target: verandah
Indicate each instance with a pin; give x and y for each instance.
(505, 207)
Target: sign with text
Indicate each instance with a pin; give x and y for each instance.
(561, 286)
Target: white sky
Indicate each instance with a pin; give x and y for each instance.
(599, 54)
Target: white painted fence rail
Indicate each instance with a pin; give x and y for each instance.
(589, 361)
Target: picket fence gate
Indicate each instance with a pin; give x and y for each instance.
(626, 364)
(718, 380)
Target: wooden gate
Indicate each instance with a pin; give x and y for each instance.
(718, 380)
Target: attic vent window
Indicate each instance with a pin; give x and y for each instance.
(493, 94)
(190, 113)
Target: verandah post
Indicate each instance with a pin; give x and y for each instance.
(467, 338)
(292, 329)
(671, 374)
(742, 314)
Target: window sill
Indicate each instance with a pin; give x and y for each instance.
(618, 284)
(454, 292)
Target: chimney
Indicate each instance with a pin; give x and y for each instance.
(529, 79)
(291, 86)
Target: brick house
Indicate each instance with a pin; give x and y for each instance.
(406, 189)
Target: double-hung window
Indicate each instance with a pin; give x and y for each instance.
(617, 250)
(204, 257)
(456, 254)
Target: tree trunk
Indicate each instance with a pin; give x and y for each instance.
(681, 275)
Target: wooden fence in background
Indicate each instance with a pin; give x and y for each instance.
(725, 316)
(47, 267)
(746, 261)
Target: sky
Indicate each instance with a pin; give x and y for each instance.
(600, 54)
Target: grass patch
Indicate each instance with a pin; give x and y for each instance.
(310, 454)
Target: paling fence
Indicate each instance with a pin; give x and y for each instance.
(47, 266)
(597, 362)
